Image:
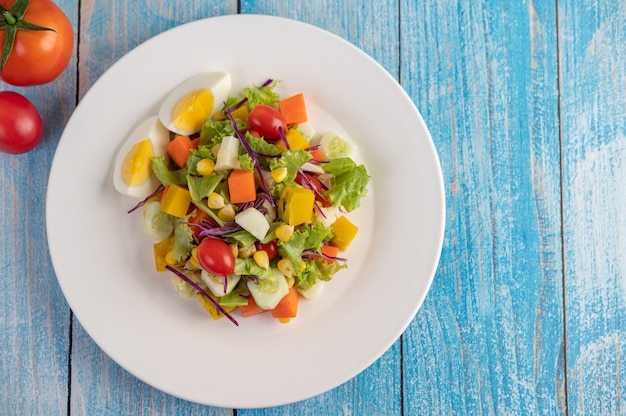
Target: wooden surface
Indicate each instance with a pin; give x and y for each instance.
(526, 103)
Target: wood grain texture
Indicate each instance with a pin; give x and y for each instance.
(34, 317)
(592, 36)
(489, 337)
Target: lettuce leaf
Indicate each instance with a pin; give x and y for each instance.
(183, 241)
(165, 175)
(304, 237)
(348, 183)
(292, 159)
(249, 267)
(201, 186)
(261, 95)
(318, 269)
(214, 131)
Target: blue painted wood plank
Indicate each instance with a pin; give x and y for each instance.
(34, 317)
(108, 31)
(373, 27)
(489, 337)
(592, 36)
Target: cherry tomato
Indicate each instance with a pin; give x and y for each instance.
(20, 123)
(266, 120)
(270, 248)
(215, 257)
(37, 56)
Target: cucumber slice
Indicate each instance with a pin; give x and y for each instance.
(157, 224)
(334, 146)
(216, 283)
(269, 291)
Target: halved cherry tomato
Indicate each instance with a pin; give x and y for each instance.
(270, 248)
(215, 257)
(266, 121)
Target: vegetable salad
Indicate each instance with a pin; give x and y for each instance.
(251, 213)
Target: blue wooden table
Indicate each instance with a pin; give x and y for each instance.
(526, 103)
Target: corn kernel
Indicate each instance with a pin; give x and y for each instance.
(170, 259)
(284, 232)
(279, 174)
(234, 248)
(215, 149)
(194, 259)
(290, 281)
(261, 258)
(302, 267)
(246, 252)
(284, 320)
(285, 266)
(226, 213)
(215, 201)
(205, 167)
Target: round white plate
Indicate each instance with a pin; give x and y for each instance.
(104, 262)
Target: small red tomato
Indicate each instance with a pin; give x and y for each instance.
(215, 257)
(266, 121)
(270, 248)
(20, 123)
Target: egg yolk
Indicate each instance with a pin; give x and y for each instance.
(138, 163)
(190, 111)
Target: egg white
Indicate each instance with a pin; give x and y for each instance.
(153, 130)
(219, 83)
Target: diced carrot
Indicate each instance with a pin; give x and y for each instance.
(241, 186)
(293, 109)
(318, 155)
(288, 306)
(251, 308)
(195, 143)
(330, 251)
(179, 150)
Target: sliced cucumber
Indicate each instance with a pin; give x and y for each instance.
(216, 283)
(270, 290)
(334, 146)
(157, 224)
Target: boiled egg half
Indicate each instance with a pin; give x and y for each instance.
(132, 173)
(193, 101)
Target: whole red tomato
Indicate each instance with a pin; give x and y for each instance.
(20, 123)
(37, 56)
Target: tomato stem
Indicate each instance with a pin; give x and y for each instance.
(12, 22)
(9, 18)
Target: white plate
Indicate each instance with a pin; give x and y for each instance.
(104, 262)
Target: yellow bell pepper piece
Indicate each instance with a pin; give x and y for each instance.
(160, 253)
(344, 231)
(295, 140)
(296, 205)
(210, 307)
(175, 200)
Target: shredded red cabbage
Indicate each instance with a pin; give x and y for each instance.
(283, 138)
(313, 253)
(202, 291)
(219, 231)
(306, 182)
(142, 203)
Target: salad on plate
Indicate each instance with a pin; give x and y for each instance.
(248, 206)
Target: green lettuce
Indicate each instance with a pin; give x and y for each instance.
(262, 95)
(165, 175)
(348, 183)
(304, 237)
(320, 269)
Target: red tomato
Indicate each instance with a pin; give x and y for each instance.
(38, 56)
(270, 248)
(20, 123)
(266, 120)
(215, 257)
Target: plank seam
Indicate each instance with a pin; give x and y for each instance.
(562, 197)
